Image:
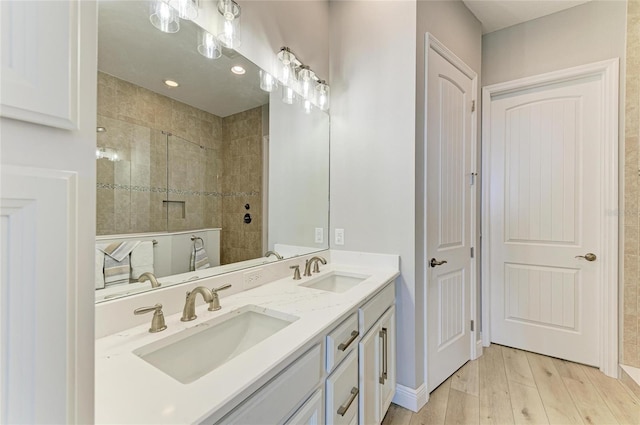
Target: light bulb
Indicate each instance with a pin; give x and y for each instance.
(322, 95)
(164, 17)
(230, 14)
(305, 77)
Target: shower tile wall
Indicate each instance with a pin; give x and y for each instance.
(242, 183)
(131, 191)
(631, 291)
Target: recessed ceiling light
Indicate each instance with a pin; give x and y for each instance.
(171, 83)
(238, 70)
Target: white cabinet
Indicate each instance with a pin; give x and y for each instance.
(342, 392)
(311, 412)
(377, 368)
(273, 403)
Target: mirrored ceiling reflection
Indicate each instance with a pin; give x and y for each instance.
(184, 170)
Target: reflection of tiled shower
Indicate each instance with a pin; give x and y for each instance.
(208, 168)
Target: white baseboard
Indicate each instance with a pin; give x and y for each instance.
(409, 398)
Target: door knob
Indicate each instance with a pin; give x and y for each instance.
(435, 262)
(589, 256)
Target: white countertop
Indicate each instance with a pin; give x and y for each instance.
(128, 390)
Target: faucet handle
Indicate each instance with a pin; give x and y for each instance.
(214, 305)
(157, 322)
(296, 272)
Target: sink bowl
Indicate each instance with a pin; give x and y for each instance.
(337, 281)
(192, 353)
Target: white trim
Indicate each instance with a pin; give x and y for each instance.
(433, 43)
(608, 292)
(409, 398)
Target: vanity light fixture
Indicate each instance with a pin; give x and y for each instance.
(230, 16)
(171, 83)
(307, 106)
(164, 17)
(289, 63)
(267, 82)
(208, 45)
(322, 95)
(187, 9)
(306, 80)
(238, 70)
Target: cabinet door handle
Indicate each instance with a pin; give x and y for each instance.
(343, 346)
(383, 335)
(343, 409)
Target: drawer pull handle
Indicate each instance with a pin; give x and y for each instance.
(343, 409)
(343, 346)
(383, 335)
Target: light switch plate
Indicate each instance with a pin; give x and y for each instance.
(339, 237)
(319, 235)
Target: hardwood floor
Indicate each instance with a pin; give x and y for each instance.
(509, 386)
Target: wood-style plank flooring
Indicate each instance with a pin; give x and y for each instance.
(509, 386)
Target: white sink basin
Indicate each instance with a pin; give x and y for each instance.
(192, 353)
(337, 281)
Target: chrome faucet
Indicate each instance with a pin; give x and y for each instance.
(149, 276)
(278, 256)
(316, 268)
(189, 311)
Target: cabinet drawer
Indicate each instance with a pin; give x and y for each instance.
(342, 392)
(272, 403)
(341, 341)
(374, 308)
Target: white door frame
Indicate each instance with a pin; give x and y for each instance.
(433, 43)
(607, 71)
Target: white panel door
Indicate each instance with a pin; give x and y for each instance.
(449, 240)
(545, 203)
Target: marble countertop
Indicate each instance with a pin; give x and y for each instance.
(130, 390)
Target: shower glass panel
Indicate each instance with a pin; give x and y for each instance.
(131, 178)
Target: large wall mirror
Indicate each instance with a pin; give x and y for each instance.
(199, 179)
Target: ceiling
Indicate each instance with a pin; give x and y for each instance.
(498, 14)
(132, 49)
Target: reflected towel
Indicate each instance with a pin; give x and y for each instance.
(142, 259)
(116, 272)
(117, 263)
(199, 259)
(99, 269)
(118, 250)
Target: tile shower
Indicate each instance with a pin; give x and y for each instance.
(208, 167)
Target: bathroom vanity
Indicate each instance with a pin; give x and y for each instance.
(316, 350)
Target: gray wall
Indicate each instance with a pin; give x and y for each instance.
(373, 145)
(583, 34)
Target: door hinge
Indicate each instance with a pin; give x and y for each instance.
(472, 326)
(471, 252)
(473, 106)
(473, 178)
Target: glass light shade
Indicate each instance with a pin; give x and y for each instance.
(288, 95)
(164, 17)
(287, 60)
(229, 34)
(306, 82)
(208, 45)
(322, 95)
(307, 106)
(267, 82)
(187, 9)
